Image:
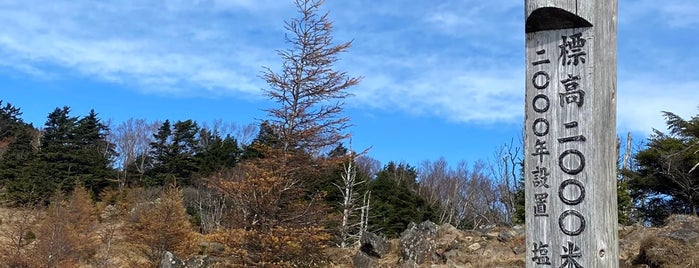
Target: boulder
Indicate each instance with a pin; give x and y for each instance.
(200, 261)
(418, 243)
(684, 228)
(373, 245)
(449, 239)
(372, 248)
(509, 234)
(169, 260)
(475, 246)
(364, 260)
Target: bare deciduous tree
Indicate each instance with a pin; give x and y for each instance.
(367, 166)
(505, 172)
(210, 206)
(16, 236)
(132, 139)
(351, 229)
(466, 196)
(243, 134)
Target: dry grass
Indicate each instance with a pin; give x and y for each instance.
(663, 252)
(112, 245)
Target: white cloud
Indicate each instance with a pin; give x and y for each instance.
(253, 5)
(681, 14)
(444, 60)
(449, 20)
(642, 99)
(156, 47)
(668, 13)
(495, 19)
(452, 89)
(457, 60)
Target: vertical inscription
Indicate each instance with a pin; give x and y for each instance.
(557, 146)
(571, 160)
(569, 171)
(540, 155)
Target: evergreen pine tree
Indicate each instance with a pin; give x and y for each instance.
(15, 167)
(267, 138)
(217, 153)
(57, 164)
(10, 120)
(159, 154)
(94, 153)
(71, 151)
(394, 200)
(184, 148)
(173, 153)
(666, 178)
(17, 157)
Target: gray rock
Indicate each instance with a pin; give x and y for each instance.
(519, 250)
(364, 260)
(506, 235)
(687, 236)
(200, 261)
(169, 260)
(682, 228)
(518, 228)
(475, 246)
(374, 245)
(418, 243)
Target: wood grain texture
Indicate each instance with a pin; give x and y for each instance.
(570, 115)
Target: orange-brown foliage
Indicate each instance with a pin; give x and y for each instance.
(161, 225)
(65, 237)
(274, 220)
(16, 237)
(279, 246)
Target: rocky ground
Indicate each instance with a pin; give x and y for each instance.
(429, 245)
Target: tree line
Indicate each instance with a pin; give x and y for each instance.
(278, 191)
(213, 168)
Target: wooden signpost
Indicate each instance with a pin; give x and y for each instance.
(570, 139)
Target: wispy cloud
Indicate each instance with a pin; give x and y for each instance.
(477, 18)
(440, 60)
(655, 71)
(457, 91)
(158, 47)
(457, 60)
(640, 14)
(643, 100)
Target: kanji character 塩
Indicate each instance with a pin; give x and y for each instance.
(541, 254)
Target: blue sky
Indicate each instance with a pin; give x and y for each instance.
(441, 78)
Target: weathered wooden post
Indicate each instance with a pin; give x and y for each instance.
(570, 161)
